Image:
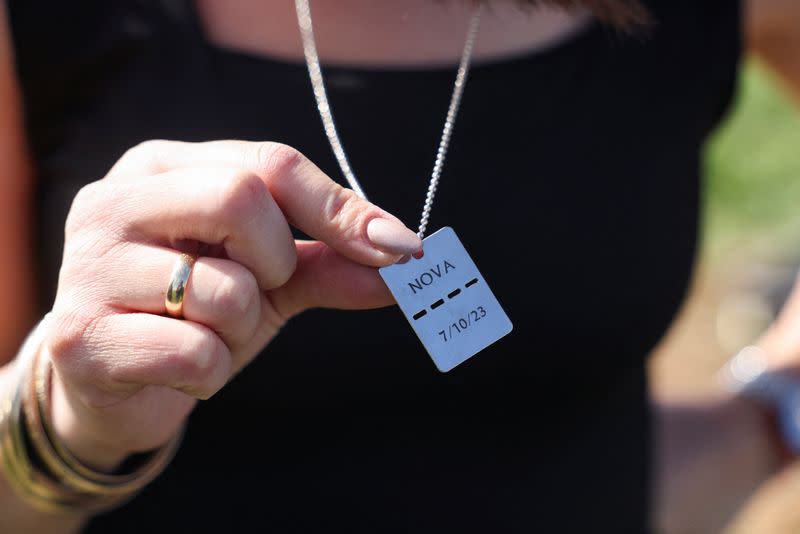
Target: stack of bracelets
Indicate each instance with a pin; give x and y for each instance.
(36, 463)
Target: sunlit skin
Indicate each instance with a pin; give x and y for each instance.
(91, 408)
(416, 32)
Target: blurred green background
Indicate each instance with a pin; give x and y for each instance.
(752, 166)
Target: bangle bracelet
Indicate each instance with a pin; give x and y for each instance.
(31, 484)
(34, 484)
(61, 462)
(38, 465)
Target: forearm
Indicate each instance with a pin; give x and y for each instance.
(15, 514)
(709, 458)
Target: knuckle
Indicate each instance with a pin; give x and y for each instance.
(243, 196)
(69, 337)
(89, 257)
(84, 207)
(236, 296)
(277, 159)
(198, 359)
(341, 210)
(146, 153)
(99, 206)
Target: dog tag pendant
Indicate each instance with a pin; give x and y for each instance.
(447, 301)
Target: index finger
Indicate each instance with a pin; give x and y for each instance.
(309, 199)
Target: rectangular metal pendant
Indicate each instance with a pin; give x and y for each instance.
(447, 301)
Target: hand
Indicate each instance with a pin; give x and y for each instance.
(781, 341)
(125, 376)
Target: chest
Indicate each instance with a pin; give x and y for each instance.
(364, 32)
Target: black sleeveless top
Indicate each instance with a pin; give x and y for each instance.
(573, 179)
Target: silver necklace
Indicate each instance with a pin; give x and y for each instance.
(427, 289)
(321, 95)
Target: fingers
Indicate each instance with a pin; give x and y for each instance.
(120, 355)
(309, 199)
(221, 294)
(237, 195)
(224, 206)
(326, 279)
(225, 297)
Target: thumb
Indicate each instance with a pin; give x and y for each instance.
(326, 279)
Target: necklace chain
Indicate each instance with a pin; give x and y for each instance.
(320, 94)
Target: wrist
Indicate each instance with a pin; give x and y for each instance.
(75, 432)
(37, 462)
(770, 395)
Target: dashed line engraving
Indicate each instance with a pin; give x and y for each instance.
(453, 294)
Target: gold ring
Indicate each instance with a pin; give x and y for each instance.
(177, 285)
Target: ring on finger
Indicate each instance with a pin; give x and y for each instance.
(177, 285)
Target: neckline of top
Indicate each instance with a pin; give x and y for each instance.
(551, 52)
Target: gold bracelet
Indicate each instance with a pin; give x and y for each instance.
(33, 486)
(64, 464)
(62, 483)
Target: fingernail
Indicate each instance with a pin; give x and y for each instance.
(393, 237)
